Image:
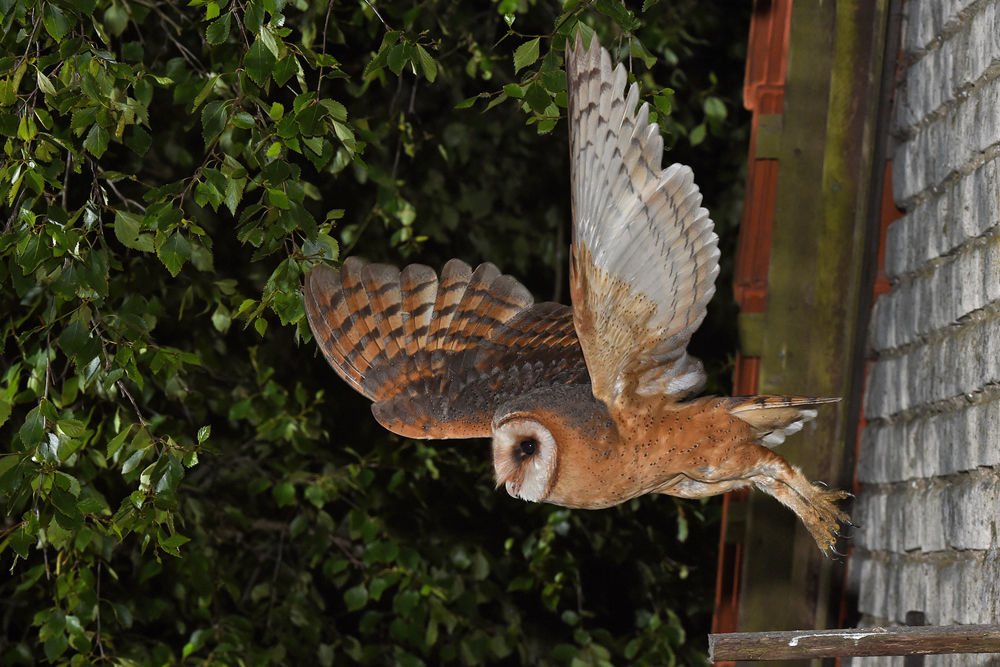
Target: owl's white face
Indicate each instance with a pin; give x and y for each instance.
(524, 458)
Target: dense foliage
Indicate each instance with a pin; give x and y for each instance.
(183, 478)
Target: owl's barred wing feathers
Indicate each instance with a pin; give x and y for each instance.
(644, 257)
(438, 356)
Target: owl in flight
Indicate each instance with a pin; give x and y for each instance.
(591, 405)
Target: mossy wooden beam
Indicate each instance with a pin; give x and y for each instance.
(814, 286)
(812, 644)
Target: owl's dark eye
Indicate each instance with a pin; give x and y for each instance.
(528, 446)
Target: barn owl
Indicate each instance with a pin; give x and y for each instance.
(587, 406)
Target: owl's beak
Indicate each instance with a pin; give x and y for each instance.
(513, 489)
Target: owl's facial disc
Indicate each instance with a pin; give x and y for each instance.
(524, 458)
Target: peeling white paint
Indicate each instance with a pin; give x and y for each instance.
(794, 641)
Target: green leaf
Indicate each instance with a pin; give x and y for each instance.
(554, 82)
(698, 135)
(397, 57)
(284, 493)
(57, 23)
(206, 90)
(139, 141)
(664, 101)
(44, 83)
(33, 428)
(213, 120)
(57, 644)
(259, 62)
(74, 428)
(115, 19)
(637, 50)
(521, 583)
(618, 12)
(715, 108)
(405, 602)
(537, 98)
(34, 253)
(174, 541)
(117, 442)
(388, 40)
(254, 17)
(174, 252)
(10, 473)
(67, 513)
(355, 598)
(513, 90)
(127, 232)
(427, 63)
(4, 411)
(133, 461)
(284, 69)
(218, 30)
(526, 54)
(73, 338)
(97, 138)
(278, 198)
(308, 119)
(67, 283)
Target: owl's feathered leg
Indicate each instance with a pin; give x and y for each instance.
(813, 503)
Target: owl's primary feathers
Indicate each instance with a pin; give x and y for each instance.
(587, 406)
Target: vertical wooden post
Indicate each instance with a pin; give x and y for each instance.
(803, 318)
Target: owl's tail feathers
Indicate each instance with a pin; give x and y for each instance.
(774, 417)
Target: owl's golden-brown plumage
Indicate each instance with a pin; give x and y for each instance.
(587, 406)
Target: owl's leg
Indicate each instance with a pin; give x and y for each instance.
(813, 503)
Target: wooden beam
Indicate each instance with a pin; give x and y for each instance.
(809, 644)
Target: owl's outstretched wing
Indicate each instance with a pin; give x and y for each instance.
(438, 356)
(644, 256)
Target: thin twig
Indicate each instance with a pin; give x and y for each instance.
(100, 646)
(386, 25)
(357, 234)
(138, 413)
(326, 23)
(123, 197)
(65, 190)
(274, 578)
(413, 94)
(13, 213)
(345, 547)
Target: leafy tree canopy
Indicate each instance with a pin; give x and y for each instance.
(184, 479)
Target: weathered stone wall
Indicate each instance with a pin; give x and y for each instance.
(930, 454)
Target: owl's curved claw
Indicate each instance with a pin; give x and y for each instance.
(829, 549)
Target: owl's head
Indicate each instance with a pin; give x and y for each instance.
(525, 457)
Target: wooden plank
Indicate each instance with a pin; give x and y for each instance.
(809, 644)
(814, 284)
(780, 561)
